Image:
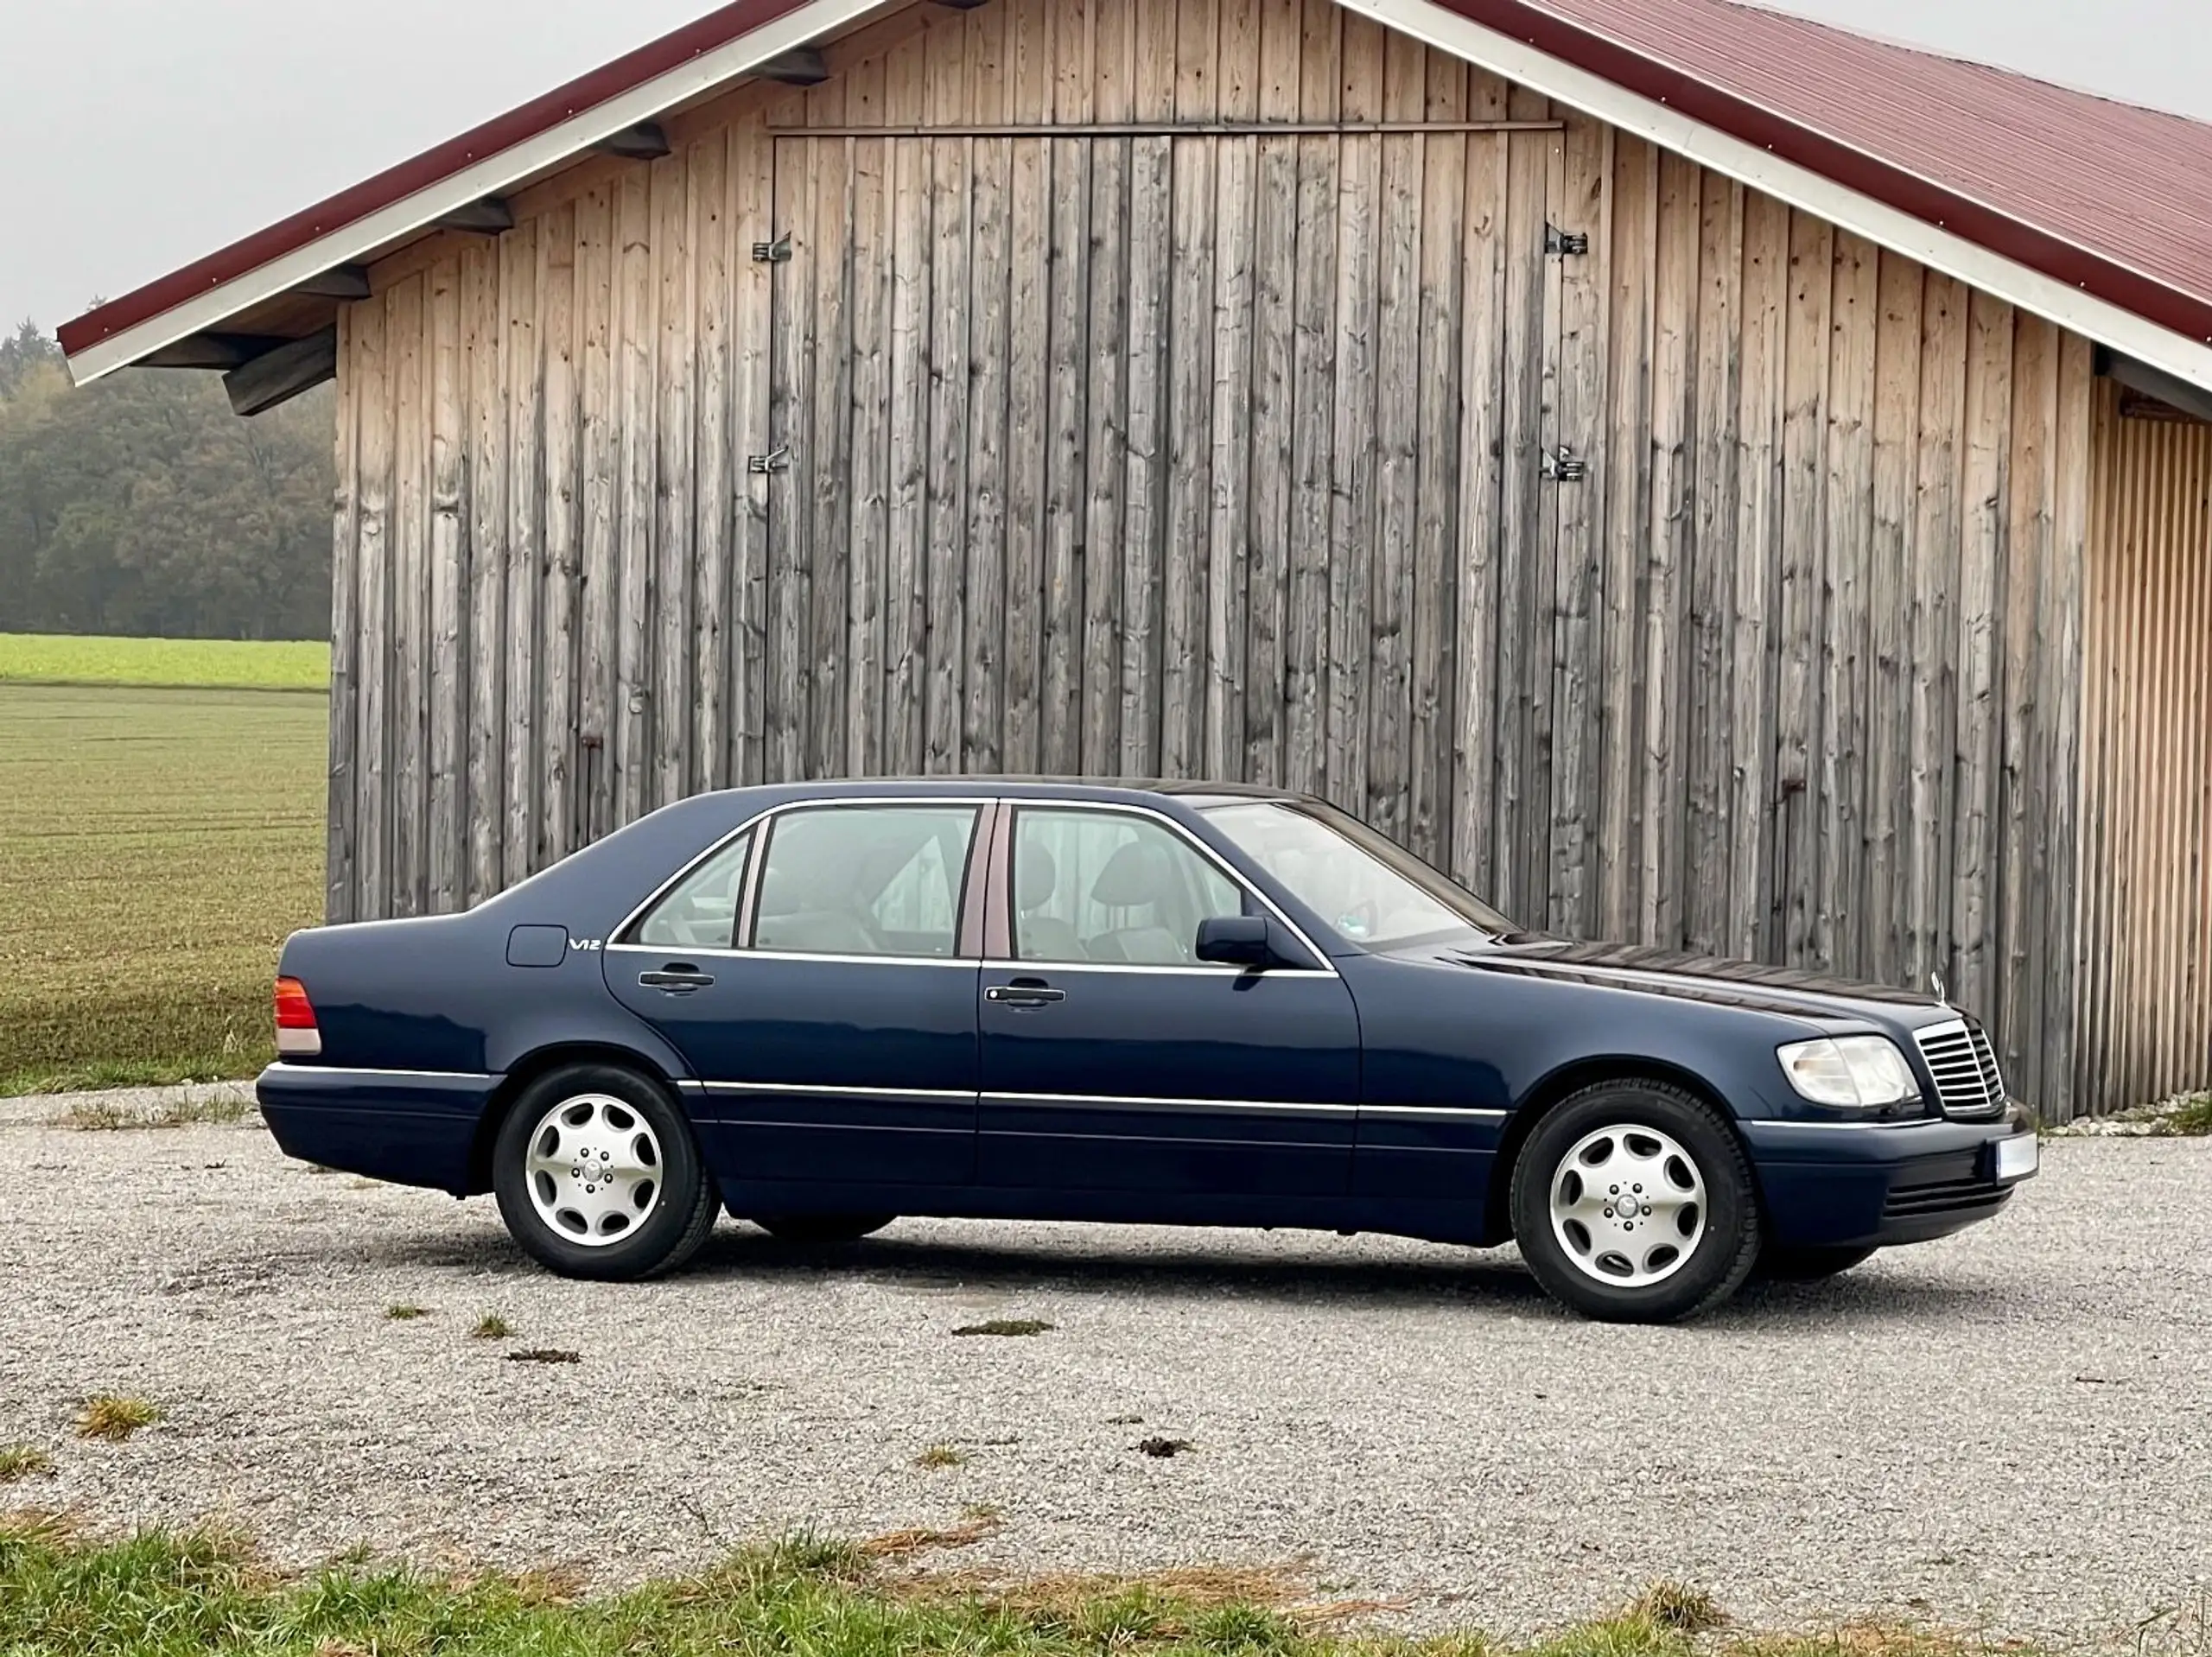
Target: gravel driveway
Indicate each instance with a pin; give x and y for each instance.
(2012, 1428)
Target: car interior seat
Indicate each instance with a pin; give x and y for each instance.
(1141, 876)
(1037, 936)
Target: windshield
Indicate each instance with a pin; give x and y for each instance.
(1372, 890)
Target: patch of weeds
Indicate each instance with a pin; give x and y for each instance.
(1164, 1447)
(115, 1416)
(101, 1116)
(2190, 1117)
(922, 1539)
(939, 1456)
(404, 1313)
(1675, 1606)
(491, 1327)
(1006, 1326)
(544, 1354)
(24, 1461)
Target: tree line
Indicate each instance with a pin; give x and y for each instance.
(141, 504)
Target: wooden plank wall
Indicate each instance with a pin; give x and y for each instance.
(2146, 891)
(1792, 673)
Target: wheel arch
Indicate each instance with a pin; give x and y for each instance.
(543, 1060)
(1562, 1084)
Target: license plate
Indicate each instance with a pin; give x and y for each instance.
(2016, 1157)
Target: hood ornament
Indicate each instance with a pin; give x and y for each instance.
(1936, 980)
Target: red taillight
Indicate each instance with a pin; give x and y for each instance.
(293, 1010)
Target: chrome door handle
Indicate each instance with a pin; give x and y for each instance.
(1024, 994)
(676, 980)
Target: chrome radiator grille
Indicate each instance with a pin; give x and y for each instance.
(1966, 1081)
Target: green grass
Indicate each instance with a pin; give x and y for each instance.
(156, 847)
(163, 1595)
(196, 663)
(2192, 1116)
(24, 1461)
(115, 1416)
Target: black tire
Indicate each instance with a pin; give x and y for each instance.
(1726, 1231)
(821, 1228)
(1786, 1264)
(679, 1220)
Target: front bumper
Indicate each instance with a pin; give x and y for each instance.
(1850, 1184)
(412, 1127)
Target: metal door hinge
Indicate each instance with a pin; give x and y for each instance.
(776, 253)
(776, 461)
(1563, 244)
(1561, 466)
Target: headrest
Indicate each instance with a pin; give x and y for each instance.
(1138, 873)
(1036, 878)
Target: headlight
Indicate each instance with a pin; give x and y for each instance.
(1864, 1071)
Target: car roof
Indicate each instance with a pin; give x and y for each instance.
(1080, 787)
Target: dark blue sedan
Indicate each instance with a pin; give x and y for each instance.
(824, 1006)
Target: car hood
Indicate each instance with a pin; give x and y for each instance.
(1715, 980)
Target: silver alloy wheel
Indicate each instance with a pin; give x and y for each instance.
(1628, 1205)
(594, 1169)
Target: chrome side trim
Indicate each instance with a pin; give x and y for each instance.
(333, 1071)
(834, 1092)
(1436, 1112)
(1209, 969)
(969, 962)
(1112, 1101)
(1889, 1127)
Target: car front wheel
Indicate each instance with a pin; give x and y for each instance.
(1633, 1203)
(597, 1175)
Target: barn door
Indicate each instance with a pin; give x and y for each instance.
(1162, 454)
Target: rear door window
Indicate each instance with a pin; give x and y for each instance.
(865, 880)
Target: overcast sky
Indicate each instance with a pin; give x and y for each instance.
(140, 134)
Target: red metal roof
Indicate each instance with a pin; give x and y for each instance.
(2103, 196)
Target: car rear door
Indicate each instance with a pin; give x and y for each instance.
(831, 1027)
(1112, 1060)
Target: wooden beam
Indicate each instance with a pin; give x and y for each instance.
(800, 67)
(278, 376)
(2146, 381)
(213, 351)
(645, 142)
(340, 282)
(487, 218)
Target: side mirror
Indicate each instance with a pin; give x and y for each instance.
(1235, 940)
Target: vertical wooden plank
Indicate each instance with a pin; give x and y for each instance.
(634, 300)
(1275, 354)
(1353, 458)
(983, 731)
(525, 372)
(1627, 450)
(599, 489)
(1187, 674)
(1542, 653)
(950, 170)
(372, 655)
(1847, 731)
(1890, 589)
(340, 824)
(1935, 577)
(2024, 783)
(1390, 549)
(1665, 743)
(707, 176)
(905, 592)
(1029, 386)
(1140, 551)
(1313, 377)
(1584, 706)
(1488, 452)
(1520, 789)
(1106, 430)
(1230, 534)
(823, 464)
(752, 219)
(793, 382)
(411, 526)
(447, 643)
(1800, 882)
(1708, 724)
(1985, 496)
(557, 752)
(871, 269)
(1440, 528)
(488, 566)
(1759, 523)
(671, 633)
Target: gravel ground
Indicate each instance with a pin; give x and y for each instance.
(2010, 1429)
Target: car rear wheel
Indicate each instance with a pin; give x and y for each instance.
(1633, 1203)
(597, 1175)
(821, 1228)
(1778, 1264)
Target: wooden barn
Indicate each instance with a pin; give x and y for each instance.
(1703, 477)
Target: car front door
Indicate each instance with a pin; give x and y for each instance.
(816, 974)
(1113, 1059)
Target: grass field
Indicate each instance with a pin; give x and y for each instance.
(156, 847)
(197, 664)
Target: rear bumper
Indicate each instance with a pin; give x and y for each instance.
(1851, 1184)
(412, 1127)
